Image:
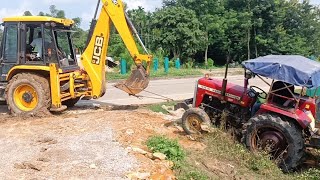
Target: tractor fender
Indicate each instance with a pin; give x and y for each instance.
(300, 116)
(43, 70)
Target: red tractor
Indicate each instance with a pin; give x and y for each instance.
(281, 121)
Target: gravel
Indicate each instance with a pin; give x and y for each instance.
(62, 148)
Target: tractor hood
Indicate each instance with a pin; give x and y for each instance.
(293, 69)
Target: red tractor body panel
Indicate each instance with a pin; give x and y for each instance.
(213, 87)
(299, 115)
(236, 94)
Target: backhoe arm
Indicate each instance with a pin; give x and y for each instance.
(94, 56)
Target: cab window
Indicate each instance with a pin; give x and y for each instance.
(11, 43)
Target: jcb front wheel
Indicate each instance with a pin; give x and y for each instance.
(28, 93)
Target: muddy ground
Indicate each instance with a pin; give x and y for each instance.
(83, 143)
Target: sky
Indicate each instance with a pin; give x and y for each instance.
(73, 8)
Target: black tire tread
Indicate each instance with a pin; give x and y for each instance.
(40, 81)
(292, 130)
(201, 113)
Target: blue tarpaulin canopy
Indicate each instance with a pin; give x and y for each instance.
(293, 69)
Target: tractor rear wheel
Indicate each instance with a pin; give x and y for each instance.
(192, 120)
(28, 93)
(281, 139)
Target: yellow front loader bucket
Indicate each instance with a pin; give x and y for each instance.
(136, 83)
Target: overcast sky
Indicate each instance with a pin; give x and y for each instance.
(73, 8)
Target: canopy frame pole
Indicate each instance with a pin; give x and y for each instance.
(270, 90)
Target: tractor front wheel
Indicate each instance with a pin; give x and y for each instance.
(281, 139)
(28, 93)
(193, 119)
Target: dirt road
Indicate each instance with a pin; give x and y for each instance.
(177, 89)
(79, 144)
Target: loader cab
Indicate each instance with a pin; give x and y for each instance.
(36, 40)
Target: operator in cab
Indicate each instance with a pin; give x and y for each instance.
(37, 44)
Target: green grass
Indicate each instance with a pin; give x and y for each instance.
(159, 74)
(223, 148)
(158, 107)
(174, 152)
(311, 174)
(171, 148)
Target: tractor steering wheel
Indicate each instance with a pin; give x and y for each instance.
(261, 93)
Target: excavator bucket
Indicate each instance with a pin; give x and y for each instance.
(137, 82)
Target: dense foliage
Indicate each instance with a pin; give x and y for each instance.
(234, 29)
(218, 29)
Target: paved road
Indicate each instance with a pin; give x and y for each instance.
(176, 89)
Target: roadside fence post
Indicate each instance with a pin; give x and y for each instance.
(155, 64)
(166, 65)
(123, 66)
(178, 64)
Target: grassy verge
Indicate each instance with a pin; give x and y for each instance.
(174, 152)
(223, 158)
(158, 107)
(159, 74)
(223, 148)
(228, 154)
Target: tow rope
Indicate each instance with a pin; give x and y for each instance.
(159, 96)
(140, 96)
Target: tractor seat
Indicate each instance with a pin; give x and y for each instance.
(280, 95)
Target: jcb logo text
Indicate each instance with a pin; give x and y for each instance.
(97, 50)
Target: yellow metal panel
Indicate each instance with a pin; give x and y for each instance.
(65, 22)
(26, 67)
(55, 86)
(71, 83)
(94, 57)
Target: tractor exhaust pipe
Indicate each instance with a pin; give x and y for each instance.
(225, 80)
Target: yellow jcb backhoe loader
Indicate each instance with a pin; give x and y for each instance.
(39, 70)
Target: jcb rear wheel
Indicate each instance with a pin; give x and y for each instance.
(28, 93)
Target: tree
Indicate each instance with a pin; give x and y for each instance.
(27, 13)
(209, 14)
(41, 13)
(139, 19)
(168, 3)
(177, 29)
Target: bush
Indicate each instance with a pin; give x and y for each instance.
(171, 63)
(190, 63)
(160, 54)
(210, 63)
(126, 55)
(170, 148)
